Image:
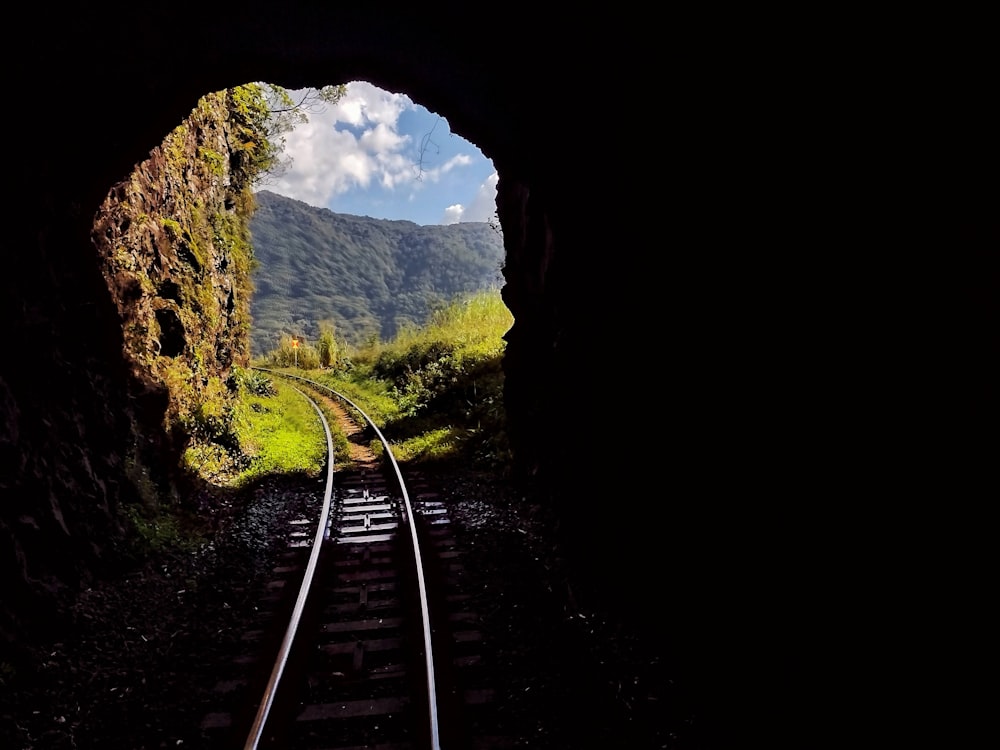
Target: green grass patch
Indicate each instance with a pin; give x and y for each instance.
(280, 434)
(436, 393)
(431, 445)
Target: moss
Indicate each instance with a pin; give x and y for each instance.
(173, 227)
(124, 258)
(215, 161)
(174, 145)
(182, 196)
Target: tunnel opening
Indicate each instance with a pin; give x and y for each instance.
(191, 285)
(172, 336)
(378, 157)
(547, 194)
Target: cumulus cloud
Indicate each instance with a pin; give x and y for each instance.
(436, 173)
(381, 138)
(483, 206)
(453, 214)
(347, 145)
(379, 153)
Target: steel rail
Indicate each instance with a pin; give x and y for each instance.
(253, 739)
(421, 584)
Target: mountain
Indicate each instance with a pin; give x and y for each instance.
(369, 276)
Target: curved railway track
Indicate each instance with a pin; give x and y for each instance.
(362, 640)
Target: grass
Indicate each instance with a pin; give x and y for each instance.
(273, 430)
(435, 392)
(280, 434)
(475, 325)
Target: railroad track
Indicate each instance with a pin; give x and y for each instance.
(363, 639)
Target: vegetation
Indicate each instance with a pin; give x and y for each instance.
(285, 112)
(182, 268)
(270, 428)
(294, 352)
(368, 278)
(280, 433)
(262, 114)
(435, 391)
(327, 345)
(175, 242)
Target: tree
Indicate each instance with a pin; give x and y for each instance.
(327, 344)
(288, 109)
(253, 153)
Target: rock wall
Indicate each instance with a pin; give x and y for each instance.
(174, 245)
(125, 354)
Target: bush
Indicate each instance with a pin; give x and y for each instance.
(305, 356)
(253, 382)
(438, 392)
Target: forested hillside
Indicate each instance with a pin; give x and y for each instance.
(368, 276)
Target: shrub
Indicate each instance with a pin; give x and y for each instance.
(253, 382)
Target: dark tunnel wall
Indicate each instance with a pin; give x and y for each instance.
(682, 219)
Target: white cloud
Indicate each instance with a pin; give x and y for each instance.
(453, 214)
(382, 138)
(395, 170)
(375, 150)
(436, 173)
(328, 159)
(364, 103)
(483, 206)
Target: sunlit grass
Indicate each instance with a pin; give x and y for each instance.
(474, 326)
(435, 392)
(431, 445)
(280, 434)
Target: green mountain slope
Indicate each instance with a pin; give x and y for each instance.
(369, 276)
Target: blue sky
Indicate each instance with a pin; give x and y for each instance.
(380, 154)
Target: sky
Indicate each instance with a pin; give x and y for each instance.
(380, 154)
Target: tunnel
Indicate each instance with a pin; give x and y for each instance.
(686, 263)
